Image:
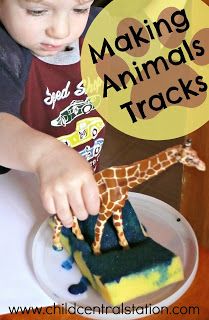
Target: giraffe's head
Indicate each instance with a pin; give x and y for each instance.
(189, 157)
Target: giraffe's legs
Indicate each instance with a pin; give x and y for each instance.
(118, 223)
(57, 245)
(56, 235)
(98, 231)
(76, 229)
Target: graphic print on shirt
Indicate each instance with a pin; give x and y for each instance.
(75, 109)
(56, 103)
(54, 96)
(86, 130)
(92, 154)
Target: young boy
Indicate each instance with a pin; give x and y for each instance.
(42, 99)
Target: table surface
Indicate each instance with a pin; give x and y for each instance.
(20, 204)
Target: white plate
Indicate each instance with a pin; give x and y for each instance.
(164, 224)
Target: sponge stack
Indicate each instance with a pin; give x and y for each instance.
(120, 275)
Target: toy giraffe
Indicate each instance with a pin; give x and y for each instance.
(115, 182)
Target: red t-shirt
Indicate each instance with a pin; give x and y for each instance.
(55, 103)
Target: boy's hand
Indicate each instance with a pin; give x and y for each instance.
(66, 179)
(67, 184)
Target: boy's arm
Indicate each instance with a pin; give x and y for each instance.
(67, 184)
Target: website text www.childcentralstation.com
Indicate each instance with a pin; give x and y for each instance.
(65, 309)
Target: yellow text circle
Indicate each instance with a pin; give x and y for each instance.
(172, 121)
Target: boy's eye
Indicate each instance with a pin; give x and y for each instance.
(36, 12)
(81, 10)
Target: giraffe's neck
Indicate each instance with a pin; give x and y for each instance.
(144, 170)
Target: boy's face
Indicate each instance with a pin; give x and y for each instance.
(45, 27)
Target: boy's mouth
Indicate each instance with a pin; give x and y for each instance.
(49, 47)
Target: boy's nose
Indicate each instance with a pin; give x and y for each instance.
(59, 28)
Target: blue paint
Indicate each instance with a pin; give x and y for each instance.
(117, 280)
(80, 287)
(164, 276)
(67, 264)
(57, 248)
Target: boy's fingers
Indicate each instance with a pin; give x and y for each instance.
(91, 198)
(63, 210)
(48, 203)
(77, 205)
